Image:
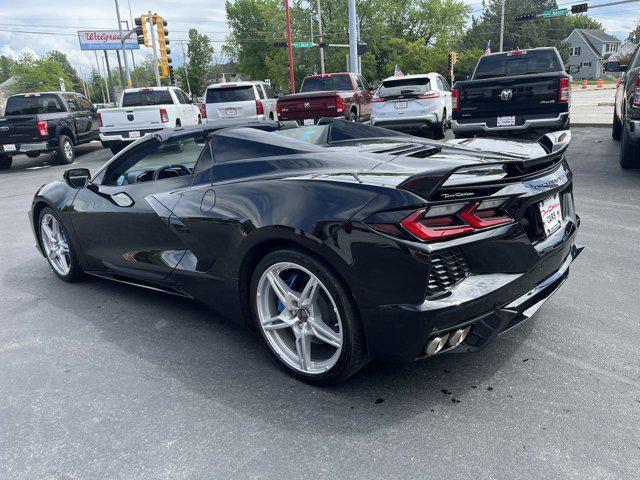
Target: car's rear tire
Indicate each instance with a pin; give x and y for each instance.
(353, 117)
(616, 131)
(57, 246)
(438, 129)
(65, 153)
(116, 148)
(307, 318)
(5, 162)
(629, 151)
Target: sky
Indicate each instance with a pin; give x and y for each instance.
(57, 23)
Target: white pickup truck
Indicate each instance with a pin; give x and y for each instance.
(143, 111)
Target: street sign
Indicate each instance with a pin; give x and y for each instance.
(558, 12)
(106, 40)
(303, 44)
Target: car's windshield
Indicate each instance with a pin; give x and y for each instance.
(404, 86)
(230, 94)
(32, 104)
(315, 134)
(517, 63)
(326, 84)
(142, 98)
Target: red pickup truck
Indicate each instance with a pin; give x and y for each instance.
(344, 95)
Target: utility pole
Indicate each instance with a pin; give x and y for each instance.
(108, 67)
(186, 69)
(155, 54)
(133, 60)
(289, 47)
(104, 100)
(502, 27)
(320, 38)
(124, 51)
(122, 84)
(353, 36)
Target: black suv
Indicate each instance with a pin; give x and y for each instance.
(34, 123)
(626, 113)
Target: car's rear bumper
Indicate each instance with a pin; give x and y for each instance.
(523, 123)
(124, 136)
(407, 124)
(35, 147)
(231, 119)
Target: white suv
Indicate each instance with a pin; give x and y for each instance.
(413, 103)
(241, 100)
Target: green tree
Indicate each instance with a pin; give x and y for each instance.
(6, 66)
(37, 74)
(61, 59)
(634, 35)
(200, 54)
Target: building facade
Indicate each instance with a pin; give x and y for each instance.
(590, 49)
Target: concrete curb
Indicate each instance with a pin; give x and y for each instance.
(592, 124)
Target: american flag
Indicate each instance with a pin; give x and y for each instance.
(397, 72)
(487, 49)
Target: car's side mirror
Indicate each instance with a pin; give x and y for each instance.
(615, 67)
(572, 69)
(77, 177)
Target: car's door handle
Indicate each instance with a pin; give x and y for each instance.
(177, 224)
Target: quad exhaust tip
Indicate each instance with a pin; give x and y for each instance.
(450, 340)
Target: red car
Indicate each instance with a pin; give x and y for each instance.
(342, 95)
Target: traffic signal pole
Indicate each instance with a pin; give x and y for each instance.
(124, 51)
(320, 39)
(353, 36)
(155, 54)
(289, 47)
(502, 27)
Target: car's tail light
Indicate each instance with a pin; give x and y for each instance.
(259, 108)
(164, 116)
(43, 128)
(636, 94)
(430, 94)
(278, 109)
(455, 98)
(377, 99)
(564, 91)
(99, 119)
(441, 222)
(203, 110)
(339, 105)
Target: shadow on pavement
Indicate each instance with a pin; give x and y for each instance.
(46, 160)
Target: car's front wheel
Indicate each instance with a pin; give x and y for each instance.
(57, 246)
(307, 318)
(438, 129)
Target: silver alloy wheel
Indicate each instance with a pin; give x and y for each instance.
(68, 150)
(56, 246)
(299, 318)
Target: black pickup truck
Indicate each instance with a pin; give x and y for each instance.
(626, 114)
(513, 92)
(34, 123)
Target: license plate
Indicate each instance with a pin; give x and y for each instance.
(9, 148)
(308, 121)
(551, 213)
(134, 134)
(401, 104)
(230, 112)
(506, 121)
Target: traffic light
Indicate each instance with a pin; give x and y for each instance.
(454, 58)
(323, 44)
(580, 8)
(525, 16)
(172, 77)
(280, 44)
(163, 41)
(141, 31)
(362, 49)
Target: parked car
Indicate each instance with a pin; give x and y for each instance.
(413, 103)
(240, 100)
(35, 123)
(145, 110)
(340, 242)
(341, 95)
(626, 114)
(513, 92)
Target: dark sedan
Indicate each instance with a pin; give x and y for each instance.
(340, 243)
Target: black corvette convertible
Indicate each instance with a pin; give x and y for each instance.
(340, 243)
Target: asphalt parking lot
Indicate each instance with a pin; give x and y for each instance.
(104, 381)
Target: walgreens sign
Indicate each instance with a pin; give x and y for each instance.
(106, 40)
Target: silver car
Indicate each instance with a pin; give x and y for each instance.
(240, 100)
(413, 103)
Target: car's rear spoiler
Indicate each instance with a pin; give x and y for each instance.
(493, 169)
